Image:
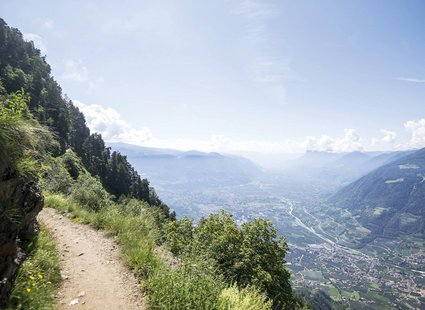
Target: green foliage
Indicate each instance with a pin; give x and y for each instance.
(56, 178)
(38, 278)
(89, 192)
(15, 106)
(248, 298)
(179, 235)
(23, 141)
(72, 163)
(250, 255)
(194, 283)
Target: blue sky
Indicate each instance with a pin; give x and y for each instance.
(238, 76)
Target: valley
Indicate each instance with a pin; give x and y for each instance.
(331, 253)
(380, 274)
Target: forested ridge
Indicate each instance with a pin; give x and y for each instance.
(22, 67)
(44, 139)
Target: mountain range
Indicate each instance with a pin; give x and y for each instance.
(188, 169)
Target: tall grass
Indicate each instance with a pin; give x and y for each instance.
(37, 281)
(193, 284)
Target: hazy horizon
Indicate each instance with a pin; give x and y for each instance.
(241, 77)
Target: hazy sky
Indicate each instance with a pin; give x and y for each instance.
(266, 76)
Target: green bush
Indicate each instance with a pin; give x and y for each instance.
(56, 178)
(179, 235)
(193, 285)
(72, 164)
(89, 192)
(249, 298)
(249, 255)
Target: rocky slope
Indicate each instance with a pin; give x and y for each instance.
(20, 202)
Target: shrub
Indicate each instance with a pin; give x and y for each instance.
(250, 255)
(193, 285)
(56, 178)
(248, 298)
(89, 192)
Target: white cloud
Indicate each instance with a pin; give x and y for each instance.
(349, 143)
(38, 41)
(386, 143)
(417, 132)
(109, 123)
(322, 143)
(114, 128)
(411, 79)
(389, 136)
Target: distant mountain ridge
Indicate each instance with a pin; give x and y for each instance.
(188, 169)
(338, 168)
(389, 201)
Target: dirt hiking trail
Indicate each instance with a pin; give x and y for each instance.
(93, 275)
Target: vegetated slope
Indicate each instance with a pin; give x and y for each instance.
(389, 200)
(94, 276)
(188, 170)
(23, 68)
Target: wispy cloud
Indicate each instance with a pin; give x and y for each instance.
(50, 27)
(76, 71)
(254, 9)
(268, 70)
(49, 24)
(38, 41)
(411, 79)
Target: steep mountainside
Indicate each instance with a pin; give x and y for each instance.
(391, 199)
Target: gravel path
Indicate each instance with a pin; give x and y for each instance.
(93, 275)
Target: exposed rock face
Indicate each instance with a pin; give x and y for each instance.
(20, 202)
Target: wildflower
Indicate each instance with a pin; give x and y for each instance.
(40, 276)
(33, 284)
(28, 289)
(48, 282)
(31, 278)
